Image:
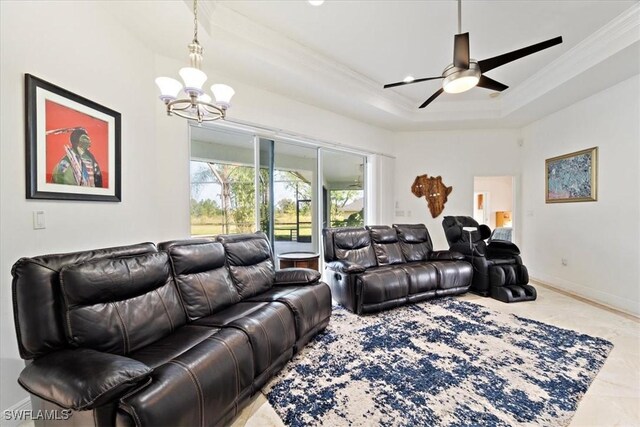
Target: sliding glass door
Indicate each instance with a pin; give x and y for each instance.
(241, 183)
(222, 183)
(343, 189)
(290, 174)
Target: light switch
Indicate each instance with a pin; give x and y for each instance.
(38, 220)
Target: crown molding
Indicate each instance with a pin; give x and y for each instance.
(613, 37)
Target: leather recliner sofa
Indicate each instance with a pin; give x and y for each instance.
(380, 267)
(180, 336)
(498, 268)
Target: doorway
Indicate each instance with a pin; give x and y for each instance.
(494, 204)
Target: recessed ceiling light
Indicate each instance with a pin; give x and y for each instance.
(315, 2)
(408, 79)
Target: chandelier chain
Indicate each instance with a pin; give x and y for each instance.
(195, 21)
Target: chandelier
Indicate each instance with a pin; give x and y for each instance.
(196, 105)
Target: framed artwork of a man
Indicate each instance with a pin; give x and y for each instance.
(72, 145)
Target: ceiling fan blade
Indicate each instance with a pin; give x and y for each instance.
(488, 83)
(411, 82)
(432, 97)
(497, 61)
(461, 51)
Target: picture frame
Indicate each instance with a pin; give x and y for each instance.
(572, 177)
(73, 147)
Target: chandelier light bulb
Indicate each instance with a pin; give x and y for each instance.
(223, 94)
(193, 80)
(169, 88)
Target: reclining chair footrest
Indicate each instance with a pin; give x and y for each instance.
(513, 293)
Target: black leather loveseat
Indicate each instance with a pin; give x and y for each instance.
(179, 335)
(380, 267)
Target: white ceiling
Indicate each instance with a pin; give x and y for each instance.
(338, 56)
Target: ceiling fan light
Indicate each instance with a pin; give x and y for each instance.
(458, 80)
(460, 84)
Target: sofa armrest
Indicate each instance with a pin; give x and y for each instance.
(82, 378)
(502, 249)
(346, 267)
(446, 255)
(296, 276)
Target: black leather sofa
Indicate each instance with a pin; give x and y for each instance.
(179, 335)
(498, 269)
(380, 267)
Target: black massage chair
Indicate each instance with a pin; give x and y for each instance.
(498, 271)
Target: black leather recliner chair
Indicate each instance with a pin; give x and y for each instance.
(498, 269)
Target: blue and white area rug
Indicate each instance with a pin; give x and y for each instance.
(445, 362)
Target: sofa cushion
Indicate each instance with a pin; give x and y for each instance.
(386, 245)
(383, 284)
(453, 274)
(415, 241)
(423, 276)
(250, 262)
(199, 387)
(108, 303)
(173, 345)
(354, 245)
(269, 326)
(202, 277)
(310, 305)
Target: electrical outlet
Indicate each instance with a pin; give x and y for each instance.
(564, 262)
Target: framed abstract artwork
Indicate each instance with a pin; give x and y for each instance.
(72, 145)
(572, 177)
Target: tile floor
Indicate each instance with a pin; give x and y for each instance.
(614, 396)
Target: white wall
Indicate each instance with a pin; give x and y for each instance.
(458, 156)
(598, 239)
(78, 47)
(500, 190)
(73, 46)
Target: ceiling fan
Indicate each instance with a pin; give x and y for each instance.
(465, 73)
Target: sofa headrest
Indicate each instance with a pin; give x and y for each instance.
(246, 249)
(114, 279)
(412, 233)
(383, 234)
(351, 238)
(202, 277)
(194, 256)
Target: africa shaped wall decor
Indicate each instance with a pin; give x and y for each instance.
(432, 189)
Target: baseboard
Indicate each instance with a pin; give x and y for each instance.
(607, 300)
(9, 415)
